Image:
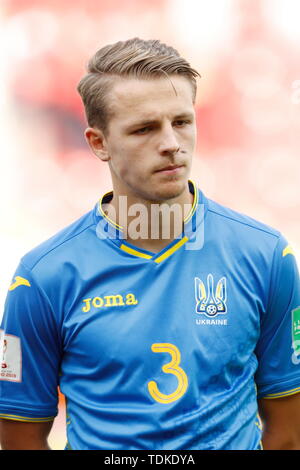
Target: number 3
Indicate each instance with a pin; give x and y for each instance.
(171, 368)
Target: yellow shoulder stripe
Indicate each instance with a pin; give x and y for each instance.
(19, 281)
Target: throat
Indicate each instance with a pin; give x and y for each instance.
(147, 225)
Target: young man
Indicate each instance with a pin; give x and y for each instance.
(175, 332)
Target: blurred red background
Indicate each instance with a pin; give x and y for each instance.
(248, 110)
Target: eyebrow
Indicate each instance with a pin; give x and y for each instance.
(149, 122)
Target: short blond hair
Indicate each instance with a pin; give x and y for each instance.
(132, 58)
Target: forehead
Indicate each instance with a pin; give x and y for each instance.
(138, 98)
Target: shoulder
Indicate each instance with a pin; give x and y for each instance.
(241, 236)
(239, 221)
(53, 270)
(61, 245)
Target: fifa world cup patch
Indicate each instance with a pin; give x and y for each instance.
(11, 358)
(210, 301)
(296, 330)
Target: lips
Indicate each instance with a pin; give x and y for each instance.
(170, 168)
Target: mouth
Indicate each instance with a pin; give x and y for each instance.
(170, 169)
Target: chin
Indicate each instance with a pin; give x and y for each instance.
(171, 189)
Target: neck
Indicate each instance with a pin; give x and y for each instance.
(147, 224)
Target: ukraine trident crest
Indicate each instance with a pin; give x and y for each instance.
(210, 301)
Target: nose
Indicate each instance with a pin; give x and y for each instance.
(168, 141)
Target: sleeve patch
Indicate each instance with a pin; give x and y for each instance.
(10, 358)
(296, 329)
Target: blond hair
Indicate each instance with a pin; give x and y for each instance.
(132, 58)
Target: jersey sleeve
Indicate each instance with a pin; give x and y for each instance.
(278, 349)
(29, 352)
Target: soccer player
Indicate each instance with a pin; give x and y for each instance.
(167, 320)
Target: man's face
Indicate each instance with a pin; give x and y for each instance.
(151, 137)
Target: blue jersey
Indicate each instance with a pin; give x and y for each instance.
(168, 350)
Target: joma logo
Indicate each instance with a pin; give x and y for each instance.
(108, 301)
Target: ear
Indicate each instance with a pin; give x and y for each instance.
(97, 143)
